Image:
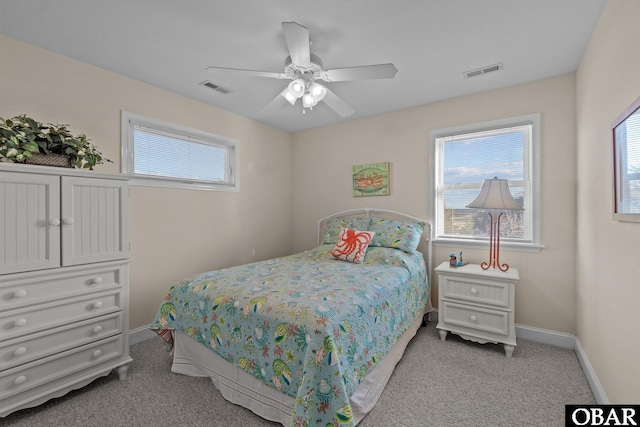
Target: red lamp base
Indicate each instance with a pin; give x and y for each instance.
(494, 245)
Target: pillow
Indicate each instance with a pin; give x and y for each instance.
(336, 224)
(352, 245)
(403, 235)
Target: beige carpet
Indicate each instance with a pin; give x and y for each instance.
(452, 383)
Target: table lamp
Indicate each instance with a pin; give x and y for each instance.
(495, 196)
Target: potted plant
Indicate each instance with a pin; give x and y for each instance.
(24, 140)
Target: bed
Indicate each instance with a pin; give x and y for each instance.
(311, 338)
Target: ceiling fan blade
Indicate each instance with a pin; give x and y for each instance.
(379, 71)
(337, 104)
(297, 38)
(278, 101)
(246, 73)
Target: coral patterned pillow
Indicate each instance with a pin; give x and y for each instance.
(352, 245)
(337, 224)
(403, 235)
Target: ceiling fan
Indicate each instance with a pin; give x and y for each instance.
(303, 69)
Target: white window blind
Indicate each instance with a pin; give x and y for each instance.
(628, 164)
(158, 154)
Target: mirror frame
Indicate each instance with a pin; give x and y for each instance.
(620, 158)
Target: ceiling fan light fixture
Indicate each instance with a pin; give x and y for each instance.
(308, 100)
(296, 88)
(317, 91)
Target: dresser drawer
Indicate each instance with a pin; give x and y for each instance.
(475, 290)
(40, 372)
(36, 346)
(43, 286)
(470, 317)
(16, 323)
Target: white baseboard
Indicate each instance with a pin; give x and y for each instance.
(571, 342)
(140, 334)
(545, 336)
(557, 339)
(590, 373)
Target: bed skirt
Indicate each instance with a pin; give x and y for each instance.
(194, 359)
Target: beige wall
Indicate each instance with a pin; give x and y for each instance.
(545, 296)
(174, 233)
(584, 281)
(608, 276)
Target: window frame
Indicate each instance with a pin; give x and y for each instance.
(621, 177)
(532, 157)
(131, 120)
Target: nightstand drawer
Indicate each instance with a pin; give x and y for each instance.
(493, 321)
(475, 290)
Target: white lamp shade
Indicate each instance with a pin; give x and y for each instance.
(296, 87)
(495, 194)
(317, 91)
(308, 100)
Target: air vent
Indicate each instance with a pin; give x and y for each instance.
(484, 70)
(216, 87)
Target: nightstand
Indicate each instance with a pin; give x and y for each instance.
(477, 304)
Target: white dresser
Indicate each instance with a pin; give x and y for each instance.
(477, 304)
(64, 281)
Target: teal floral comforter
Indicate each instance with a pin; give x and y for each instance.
(307, 325)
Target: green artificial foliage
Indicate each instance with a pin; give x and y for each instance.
(22, 136)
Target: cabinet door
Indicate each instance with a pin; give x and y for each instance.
(29, 222)
(95, 220)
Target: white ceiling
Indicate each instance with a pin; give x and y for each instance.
(169, 43)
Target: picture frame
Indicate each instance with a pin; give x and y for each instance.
(371, 180)
(625, 134)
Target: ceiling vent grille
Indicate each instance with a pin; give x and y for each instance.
(223, 90)
(484, 70)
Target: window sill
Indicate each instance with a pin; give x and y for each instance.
(507, 246)
(185, 185)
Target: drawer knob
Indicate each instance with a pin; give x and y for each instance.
(473, 318)
(474, 291)
(20, 380)
(20, 351)
(20, 294)
(97, 353)
(97, 329)
(67, 221)
(20, 322)
(55, 222)
(97, 304)
(97, 280)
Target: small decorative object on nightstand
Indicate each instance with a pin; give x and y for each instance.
(477, 304)
(452, 260)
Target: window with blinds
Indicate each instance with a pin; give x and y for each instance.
(463, 159)
(627, 166)
(162, 154)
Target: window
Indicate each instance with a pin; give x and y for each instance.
(162, 154)
(626, 164)
(463, 157)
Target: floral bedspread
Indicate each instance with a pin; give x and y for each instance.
(308, 325)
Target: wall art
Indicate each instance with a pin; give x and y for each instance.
(371, 180)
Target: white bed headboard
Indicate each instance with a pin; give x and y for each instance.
(382, 213)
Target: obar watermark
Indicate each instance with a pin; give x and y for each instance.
(602, 415)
